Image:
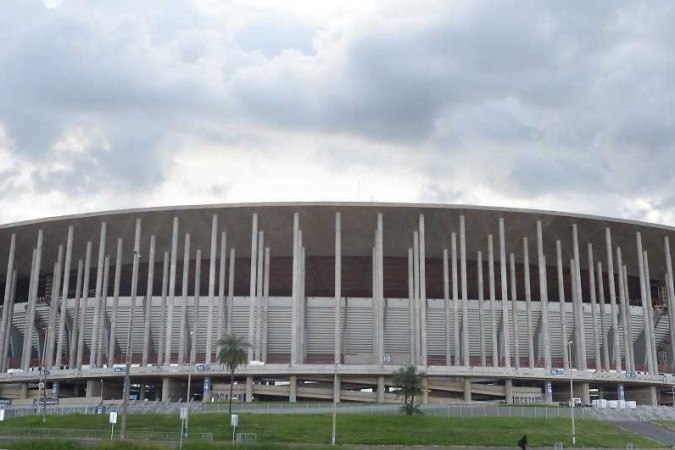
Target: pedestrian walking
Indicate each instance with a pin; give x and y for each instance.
(522, 442)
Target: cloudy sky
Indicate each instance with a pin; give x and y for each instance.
(564, 105)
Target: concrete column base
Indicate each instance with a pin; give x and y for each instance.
(93, 388)
(380, 389)
(337, 384)
(293, 394)
(585, 394)
(249, 389)
(166, 389)
(141, 392)
(508, 391)
(425, 391)
(24, 391)
(467, 390)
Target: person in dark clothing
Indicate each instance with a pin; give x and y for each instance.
(522, 442)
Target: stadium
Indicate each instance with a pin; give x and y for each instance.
(492, 304)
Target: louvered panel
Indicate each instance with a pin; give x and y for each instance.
(359, 326)
(279, 325)
(397, 326)
(240, 316)
(320, 326)
(435, 327)
(487, 330)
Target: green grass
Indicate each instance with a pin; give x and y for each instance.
(369, 429)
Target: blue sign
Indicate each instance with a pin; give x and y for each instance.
(557, 371)
(203, 367)
(119, 369)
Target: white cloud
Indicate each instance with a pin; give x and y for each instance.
(511, 103)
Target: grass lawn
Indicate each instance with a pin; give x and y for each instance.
(370, 429)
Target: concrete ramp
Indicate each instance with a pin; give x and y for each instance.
(650, 430)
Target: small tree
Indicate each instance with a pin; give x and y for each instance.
(233, 353)
(409, 384)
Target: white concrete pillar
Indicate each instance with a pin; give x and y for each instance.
(97, 297)
(508, 391)
(211, 293)
(252, 286)
(466, 357)
(418, 302)
(493, 302)
(182, 336)
(380, 389)
(10, 314)
(412, 317)
(625, 315)
(446, 308)
(455, 299)
(148, 301)
(134, 293)
(295, 298)
(505, 294)
(467, 390)
(580, 341)
(303, 305)
(337, 330)
(336, 389)
(543, 297)
(162, 326)
(616, 348)
(27, 338)
(172, 291)
(629, 314)
(577, 320)
(528, 304)
(116, 297)
(224, 315)
(670, 289)
(53, 309)
(249, 389)
(380, 288)
(423, 290)
(63, 304)
(514, 309)
(102, 317)
(597, 329)
(260, 277)
(293, 389)
(650, 310)
(195, 307)
(230, 291)
(84, 300)
(72, 351)
(563, 310)
(650, 362)
(481, 307)
(32, 300)
(6, 300)
(603, 320)
(266, 300)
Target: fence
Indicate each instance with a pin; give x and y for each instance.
(64, 433)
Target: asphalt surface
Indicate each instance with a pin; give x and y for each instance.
(651, 431)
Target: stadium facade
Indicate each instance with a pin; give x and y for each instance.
(492, 304)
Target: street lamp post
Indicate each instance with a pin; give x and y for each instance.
(569, 362)
(127, 376)
(335, 381)
(187, 396)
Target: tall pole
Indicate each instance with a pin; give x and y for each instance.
(134, 285)
(44, 377)
(335, 380)
(569, 366)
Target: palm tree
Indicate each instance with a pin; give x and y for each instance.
(233, 353)
(409, 384)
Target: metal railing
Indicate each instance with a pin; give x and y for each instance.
(100, 434)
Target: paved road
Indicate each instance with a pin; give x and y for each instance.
(650, 430)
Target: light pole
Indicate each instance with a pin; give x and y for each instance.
(187, 397)
(569, 363)
(335, 381)
(127, 378)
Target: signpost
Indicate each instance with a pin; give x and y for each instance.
(2, 415)
(234, 422)
(183, 422)
(112, 420)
